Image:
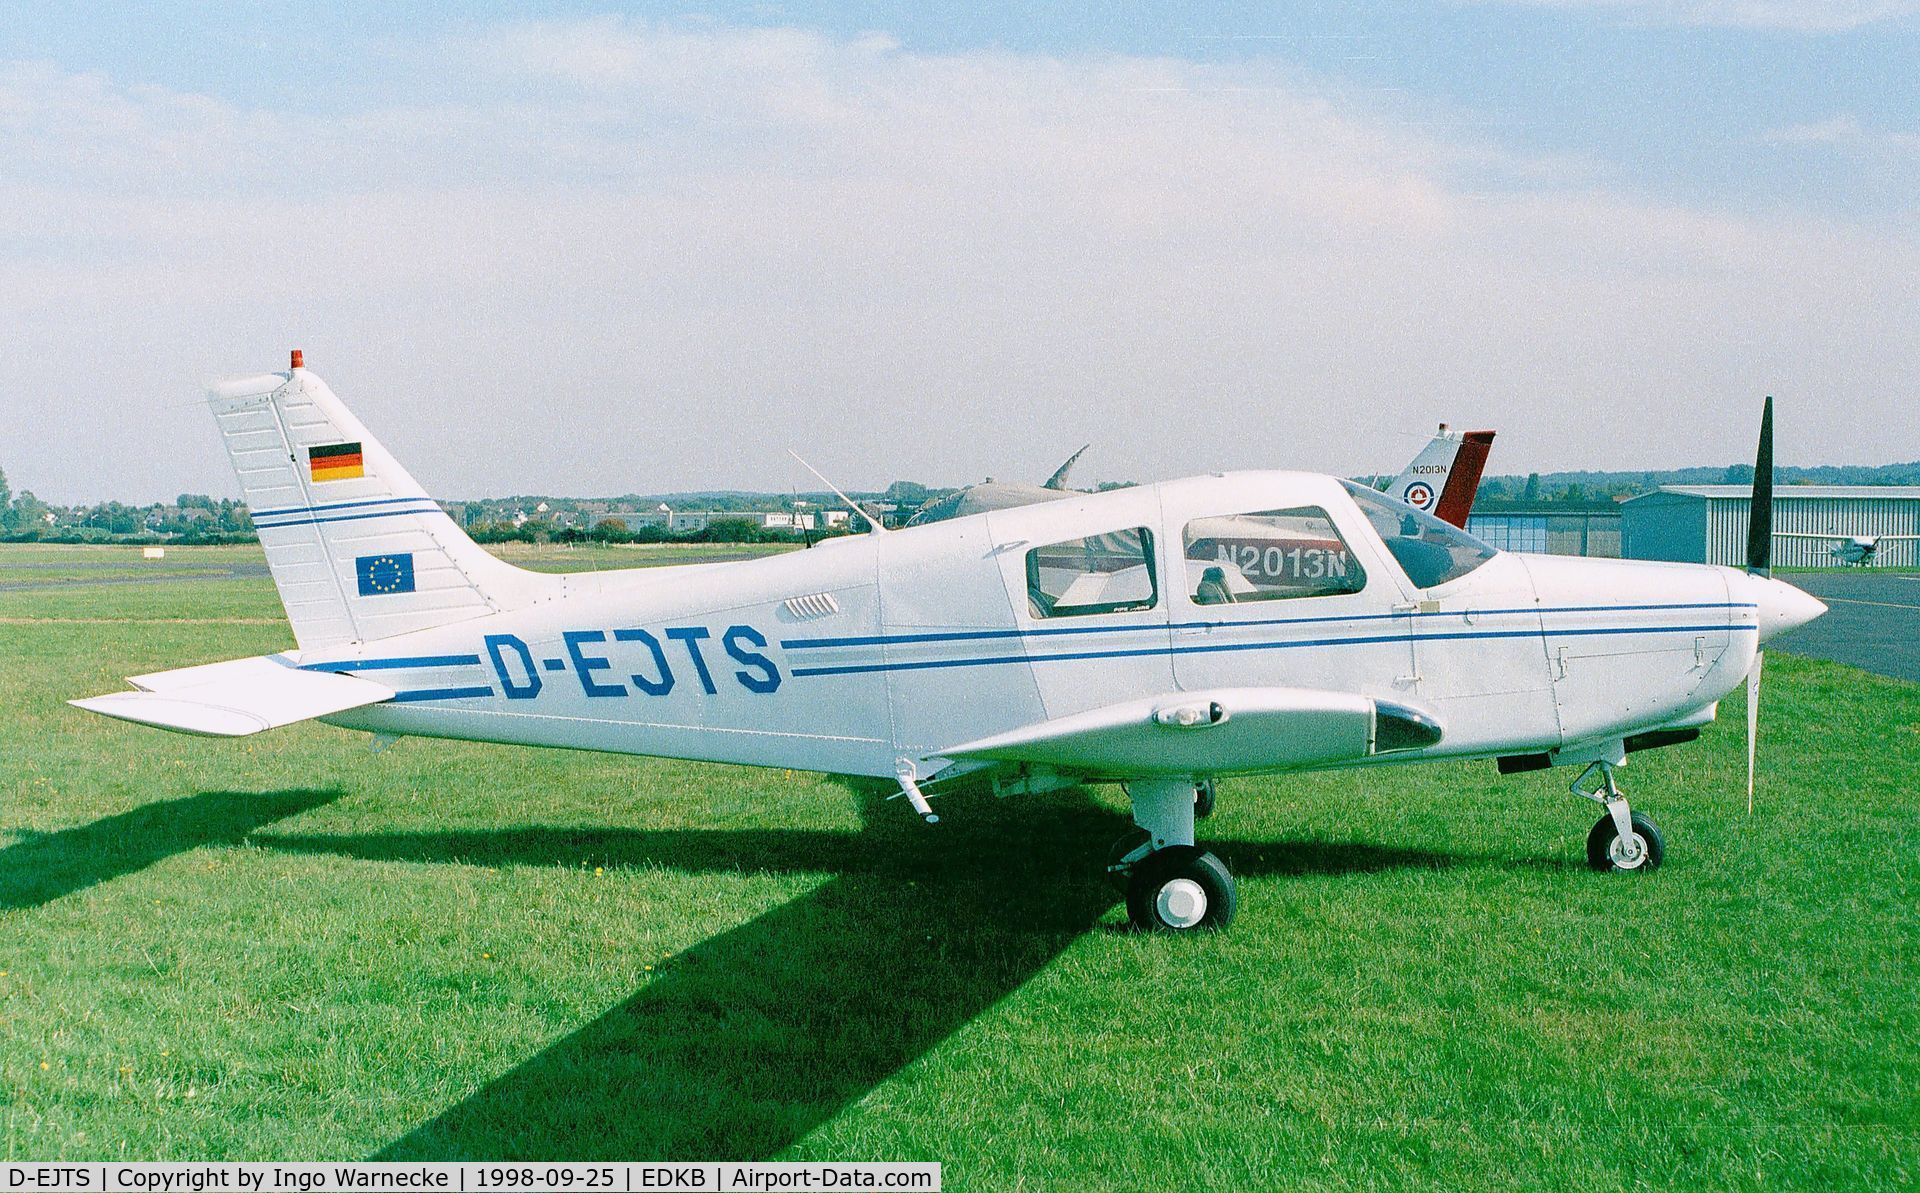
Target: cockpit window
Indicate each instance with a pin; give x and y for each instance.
(1105, 573)
(1432, 552)
(1271, 555)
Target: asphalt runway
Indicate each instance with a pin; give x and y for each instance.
(1872, 621)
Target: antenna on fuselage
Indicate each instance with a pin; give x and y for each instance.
(873, 523)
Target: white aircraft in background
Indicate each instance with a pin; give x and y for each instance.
(991, 494)
(1159, 636)
(1860, 549)
(1442, 480)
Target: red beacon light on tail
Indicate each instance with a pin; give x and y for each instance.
(299, 362)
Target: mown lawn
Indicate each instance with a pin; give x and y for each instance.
(289, 947)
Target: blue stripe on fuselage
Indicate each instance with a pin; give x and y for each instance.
(437, 660)
(1055, 631)
(440, 694)
(1217, 648)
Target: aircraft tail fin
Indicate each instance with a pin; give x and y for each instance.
(1444, 478)
(357, 549)
(1059, 478)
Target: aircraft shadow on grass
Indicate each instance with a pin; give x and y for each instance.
(42, 867)
(751, 1039)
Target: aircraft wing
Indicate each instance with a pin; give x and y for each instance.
(235, 698)
(1825, 538)
(1223, 731)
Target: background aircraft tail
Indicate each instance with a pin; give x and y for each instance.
(1445, 476)
(356, 547)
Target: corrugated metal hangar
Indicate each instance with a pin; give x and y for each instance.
(1708, 523)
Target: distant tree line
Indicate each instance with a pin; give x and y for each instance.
(192, 518)
(1601, 490)
(615, 530)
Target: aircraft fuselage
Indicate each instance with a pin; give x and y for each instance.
(851, 656)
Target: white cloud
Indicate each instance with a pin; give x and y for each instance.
(1846, 132)
(1801, 16)
(619, 257)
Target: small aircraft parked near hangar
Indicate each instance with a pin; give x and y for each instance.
(1159, 636)
(1861, 549)
(1442, 480)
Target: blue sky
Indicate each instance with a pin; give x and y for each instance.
(924, 224)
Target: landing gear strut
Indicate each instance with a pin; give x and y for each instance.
(1622, 839)
(1172, 885)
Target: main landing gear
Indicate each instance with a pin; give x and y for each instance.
(1622, 839)
(1172, 885)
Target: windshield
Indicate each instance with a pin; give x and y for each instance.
(1432, 552)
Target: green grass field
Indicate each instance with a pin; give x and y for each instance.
(290, 947)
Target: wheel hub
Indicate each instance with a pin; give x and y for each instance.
(1629, 851)
(1182, 903)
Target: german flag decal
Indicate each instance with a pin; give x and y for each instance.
(336, 462)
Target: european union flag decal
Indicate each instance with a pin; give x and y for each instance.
(384, 575)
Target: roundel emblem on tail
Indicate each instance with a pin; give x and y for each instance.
(1420, 495)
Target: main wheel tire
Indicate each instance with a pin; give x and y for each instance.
(1607, 853)
(1182, 888)
(1203, 800)
(1118, 872)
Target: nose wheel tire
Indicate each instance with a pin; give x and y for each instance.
(1180, 889)
(1643, 850)
(1203, 800)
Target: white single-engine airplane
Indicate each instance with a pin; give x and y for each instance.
(1159, 636)
(1860, 549)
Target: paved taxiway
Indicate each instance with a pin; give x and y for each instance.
(1873, 621)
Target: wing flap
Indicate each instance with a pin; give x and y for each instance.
(235, 698)
(1224, 731)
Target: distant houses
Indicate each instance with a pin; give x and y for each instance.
(197, 518)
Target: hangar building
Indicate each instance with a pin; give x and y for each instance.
(1708, 523)
(1550, 530)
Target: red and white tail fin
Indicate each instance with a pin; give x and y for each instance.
(356, 547)
(1445, 476)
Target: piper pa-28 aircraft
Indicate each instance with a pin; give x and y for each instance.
(1160, 636)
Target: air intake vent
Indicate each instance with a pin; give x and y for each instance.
(812, 608)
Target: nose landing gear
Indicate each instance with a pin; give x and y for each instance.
(1172, 885)
(1622, 839)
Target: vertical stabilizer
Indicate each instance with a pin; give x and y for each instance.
(1444, 478)
(356, 547)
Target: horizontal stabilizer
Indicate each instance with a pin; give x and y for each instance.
(235, 698)
(1219, 732)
